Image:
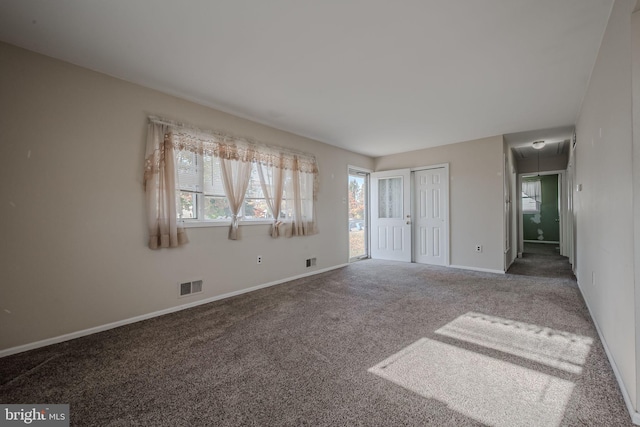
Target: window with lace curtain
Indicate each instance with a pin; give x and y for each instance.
(206, 177)
(201, 195)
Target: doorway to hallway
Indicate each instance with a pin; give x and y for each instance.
(540, 209)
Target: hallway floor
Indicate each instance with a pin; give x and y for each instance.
(542, 260)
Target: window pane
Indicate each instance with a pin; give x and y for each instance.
(188, 172)
(213, 185)
(216, 208)
(390, 197)
(529, 204)
(188, 207)
(256, 209)
(255, 206)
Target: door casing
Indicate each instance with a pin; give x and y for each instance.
(562, 202)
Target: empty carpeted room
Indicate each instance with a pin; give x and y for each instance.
(320, 213)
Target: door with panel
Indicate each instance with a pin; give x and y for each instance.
(431, 216)
(391, 215)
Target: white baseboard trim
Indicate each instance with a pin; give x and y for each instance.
(101, 328)
(548, 242)
(635, 416)
(484, 270)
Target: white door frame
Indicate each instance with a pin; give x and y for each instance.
(446, 245)
(561, 206)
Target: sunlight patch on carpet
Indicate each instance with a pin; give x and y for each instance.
(558, 349)
(488, 390)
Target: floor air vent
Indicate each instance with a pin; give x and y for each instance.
(188, 288)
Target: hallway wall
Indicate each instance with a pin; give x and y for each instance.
(603, 207)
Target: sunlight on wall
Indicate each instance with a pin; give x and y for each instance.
(550, 347)
(486, 389)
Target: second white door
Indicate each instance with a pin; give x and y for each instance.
(431, 216)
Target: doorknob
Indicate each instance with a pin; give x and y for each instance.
(408, 222)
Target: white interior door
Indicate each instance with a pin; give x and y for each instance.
(431, 216)
(391, 215)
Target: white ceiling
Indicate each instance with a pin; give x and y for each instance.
(373, 76)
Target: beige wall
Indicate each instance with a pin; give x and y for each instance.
(476, 197)
(73, 245)
(603, 209)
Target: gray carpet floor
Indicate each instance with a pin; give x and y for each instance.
(541, 248)
(542, 260)
(366, 345)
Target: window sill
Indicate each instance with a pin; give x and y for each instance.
(225, 223)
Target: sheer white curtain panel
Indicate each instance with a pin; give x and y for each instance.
(272, 183)
(165, 231)
(235, 177)
(302, 191)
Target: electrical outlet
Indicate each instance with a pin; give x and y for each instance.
(478, 248)
(259, 259)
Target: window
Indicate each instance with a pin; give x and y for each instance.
(198, 176)
(529, 205)
(201, 191)
(255, 206)
(390, 197)
(531, 196)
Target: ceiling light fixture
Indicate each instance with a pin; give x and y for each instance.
(538, 144)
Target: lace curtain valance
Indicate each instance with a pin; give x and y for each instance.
(217, 144)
